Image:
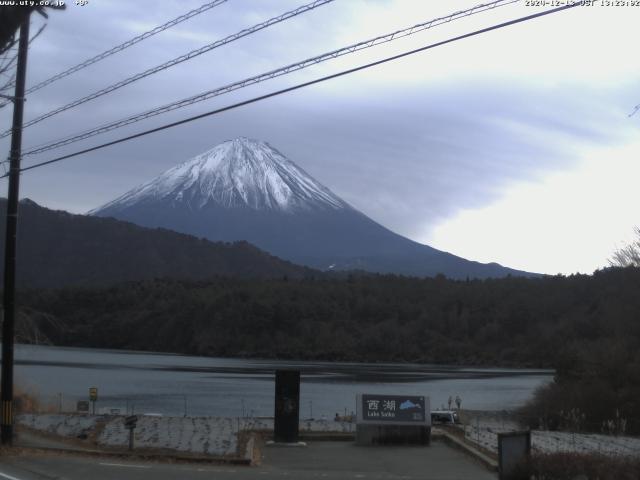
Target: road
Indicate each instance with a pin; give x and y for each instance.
(320, 460)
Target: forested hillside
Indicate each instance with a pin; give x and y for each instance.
(57, 248)
(512, 321)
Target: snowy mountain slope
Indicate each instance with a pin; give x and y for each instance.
(244, 189)
(240, 172)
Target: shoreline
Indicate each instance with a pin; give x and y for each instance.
(524, 369)
(467, 371)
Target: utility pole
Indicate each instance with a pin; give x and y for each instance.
(6, 423)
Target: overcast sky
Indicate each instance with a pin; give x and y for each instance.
(515, 146)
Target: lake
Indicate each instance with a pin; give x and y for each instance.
(177, 384)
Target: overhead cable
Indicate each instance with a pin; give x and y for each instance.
(127, 44)
(268, 75)
(298, 86)
(175, 61)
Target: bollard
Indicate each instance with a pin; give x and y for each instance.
(130, 424)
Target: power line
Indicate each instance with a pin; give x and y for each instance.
(268, 75)
(299, 86)
(176, 61)
(127, 44)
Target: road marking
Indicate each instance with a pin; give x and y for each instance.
(9, 477)
(123, 465)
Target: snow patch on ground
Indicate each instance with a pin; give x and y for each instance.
(71, 426)
(197, 435)
(483, 431)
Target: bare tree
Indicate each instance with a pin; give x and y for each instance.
(11, 16)
(9, 51)
(628, 255)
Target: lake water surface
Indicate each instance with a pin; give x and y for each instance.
(175, 384)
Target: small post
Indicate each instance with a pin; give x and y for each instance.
(130, 424)
(93, 397)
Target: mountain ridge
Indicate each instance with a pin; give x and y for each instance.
(57, 248)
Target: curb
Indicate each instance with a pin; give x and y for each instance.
(328, 437)
(145, 456)
(452, 441)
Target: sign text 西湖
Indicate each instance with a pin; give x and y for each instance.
(393, 408)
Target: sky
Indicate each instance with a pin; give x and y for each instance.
(515, 146)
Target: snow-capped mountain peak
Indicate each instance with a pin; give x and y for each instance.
(237, 173)
(245, 190)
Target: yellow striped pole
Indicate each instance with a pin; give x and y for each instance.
(7, 413)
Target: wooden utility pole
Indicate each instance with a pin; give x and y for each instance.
(8, 324)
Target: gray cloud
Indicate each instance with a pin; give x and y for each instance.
(408, 156)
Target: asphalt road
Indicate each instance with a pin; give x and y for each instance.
(321, 460)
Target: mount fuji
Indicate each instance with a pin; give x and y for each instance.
(245, 189)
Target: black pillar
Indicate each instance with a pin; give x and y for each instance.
(287, 411)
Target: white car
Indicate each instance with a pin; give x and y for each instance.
(444, 417)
